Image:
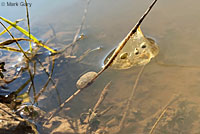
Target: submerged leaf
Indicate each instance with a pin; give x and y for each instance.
(138, 50)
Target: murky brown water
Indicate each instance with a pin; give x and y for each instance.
(175, 27)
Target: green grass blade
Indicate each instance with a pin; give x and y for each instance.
(27, 34)
(9, 27)
(11, 49)
(28, 22)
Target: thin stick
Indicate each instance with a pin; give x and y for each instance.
(16, 41)
(83, 55)
(82, 22)
(50, 77)
(102, 96)
(124, 41)
(32, 79)
(121, 45)
(163, 112)
(79, 29)
(100, 100)
(174, 65)
(28, 21)
(62, 105)
(121, 124)
(34, 72)
(81, 25)
(46, 84)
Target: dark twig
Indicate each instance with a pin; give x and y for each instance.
(32, 79)
(121, 124)
(78, 30)
(62, 105)
(16, 41)
(81, 25)
(28, 21)
(175, 65)
(34, 72)
(118, 49)
(100, 100)
(94, 114)
(50, 77)
(46, 84)
(124, 41)
(102, 96)
(174, 98)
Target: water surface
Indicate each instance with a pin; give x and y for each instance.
(175, 27)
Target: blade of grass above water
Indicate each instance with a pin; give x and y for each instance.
(9, 27)
(11, 49)
(29, 29)
(27, 34)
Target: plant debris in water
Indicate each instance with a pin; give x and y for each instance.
(85, 79)
(134, 50)
(138, 51)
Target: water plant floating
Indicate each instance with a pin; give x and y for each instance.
(138, 51)
(110, 61)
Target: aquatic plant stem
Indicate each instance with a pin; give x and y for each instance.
(118, 49)
(102, 96)
(27, 34)
(81, 25)
(32, 79)
(16, 41)
(62, 105)
(29, 29)
(174, 98)
(10, 26)
(34, 72)
(175, 65)
(94, 112)
(124, 41)
(75, 39)
(121, 124)
(47, 82)
(82, 22)
(50, 77)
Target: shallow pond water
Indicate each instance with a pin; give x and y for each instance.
(175, 27)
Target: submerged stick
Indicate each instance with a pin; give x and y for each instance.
(121, 124)
(62, 105)
(124, 41)
(16, 41)
(163, 112)
(175, 65)
(75, 39)
(100, 100)
(46, 84)
(118, 49)
(102, 96)
(82, 22)
(34, 73)
(32, 80)
(81, 26)
(28, 22)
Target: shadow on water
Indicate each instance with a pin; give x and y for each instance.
(174, 26)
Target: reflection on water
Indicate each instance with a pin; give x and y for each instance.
(174, 26)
